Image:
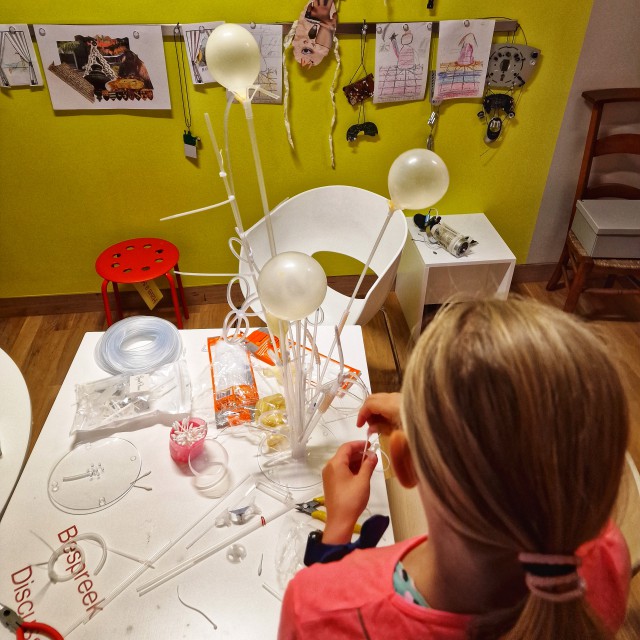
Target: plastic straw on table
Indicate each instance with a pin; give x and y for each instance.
(192, 562)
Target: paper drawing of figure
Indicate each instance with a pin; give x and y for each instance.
(465, 59)
(463, 54)
(402, 55)
(405, 54)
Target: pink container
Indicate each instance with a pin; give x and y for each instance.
(187, 439)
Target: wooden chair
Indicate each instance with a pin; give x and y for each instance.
(580, 271)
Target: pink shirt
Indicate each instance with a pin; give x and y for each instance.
(355, 598)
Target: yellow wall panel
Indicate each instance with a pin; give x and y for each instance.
(74, 182)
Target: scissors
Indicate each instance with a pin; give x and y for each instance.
(12, 621)
(311, 508)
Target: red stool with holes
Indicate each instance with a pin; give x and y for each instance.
(139, 260)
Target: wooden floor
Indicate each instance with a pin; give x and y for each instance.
(43, 347)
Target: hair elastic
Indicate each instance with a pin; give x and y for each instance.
(545, 571)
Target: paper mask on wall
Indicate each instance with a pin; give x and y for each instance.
(314, 32)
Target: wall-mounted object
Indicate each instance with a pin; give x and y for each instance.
(104, 66)
(18, 62)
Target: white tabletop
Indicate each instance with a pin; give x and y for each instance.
(15, 425)
(491, 248)
(144, 522)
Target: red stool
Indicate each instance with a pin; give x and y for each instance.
(139, 260)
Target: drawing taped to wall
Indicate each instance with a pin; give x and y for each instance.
(402, 60)
(269, 39)
(195, 39)
(18, 62)
(463, 54)
(104, 66)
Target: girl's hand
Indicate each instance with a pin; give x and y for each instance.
(346, 490)
(382, 412)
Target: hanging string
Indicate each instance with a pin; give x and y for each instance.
(186, 108)
(363, 46)
(285, 78)
(332, 94)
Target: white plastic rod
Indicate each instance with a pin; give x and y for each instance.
(188, 213)
(345, 315)
(207, 553)
(256, 159)
(223, 175)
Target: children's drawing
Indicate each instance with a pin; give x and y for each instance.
(104, 66)
(463, 54)
(269, 39)
(18, 62)
(195, 39)
(402, 60)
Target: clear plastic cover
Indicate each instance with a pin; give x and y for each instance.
(94, 475)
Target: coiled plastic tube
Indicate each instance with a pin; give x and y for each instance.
(138, 344)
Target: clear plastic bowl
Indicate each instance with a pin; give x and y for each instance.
(210, 468)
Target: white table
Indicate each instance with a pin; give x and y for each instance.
(428, 274)
(15, 425)
(143, 522)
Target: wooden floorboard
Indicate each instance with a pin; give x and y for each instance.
(43, 347)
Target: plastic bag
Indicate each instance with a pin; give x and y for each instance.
(123, 398)
(235, 392)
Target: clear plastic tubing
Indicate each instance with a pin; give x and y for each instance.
(138, 344)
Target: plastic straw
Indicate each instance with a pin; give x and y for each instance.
(188, 213)
(345, 315)
(256, 160)
(207, 553)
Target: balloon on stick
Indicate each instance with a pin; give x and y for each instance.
(233, 57)
(418, 178)
(292, 285)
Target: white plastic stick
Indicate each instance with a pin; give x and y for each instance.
(345, 315)
(219, 275)
(223, 175)
(248, 113)
(207, 553)
(188, 213)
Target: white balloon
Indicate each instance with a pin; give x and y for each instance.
(292, 285)
(418, 178)
(233, 57)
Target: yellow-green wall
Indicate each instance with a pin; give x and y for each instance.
(73, 183)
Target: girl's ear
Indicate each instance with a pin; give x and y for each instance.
(401, 459)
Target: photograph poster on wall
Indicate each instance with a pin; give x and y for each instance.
(104, 66)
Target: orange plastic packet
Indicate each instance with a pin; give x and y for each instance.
(258, 343)
(235, 392)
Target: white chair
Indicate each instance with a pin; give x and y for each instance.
(337, 219)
